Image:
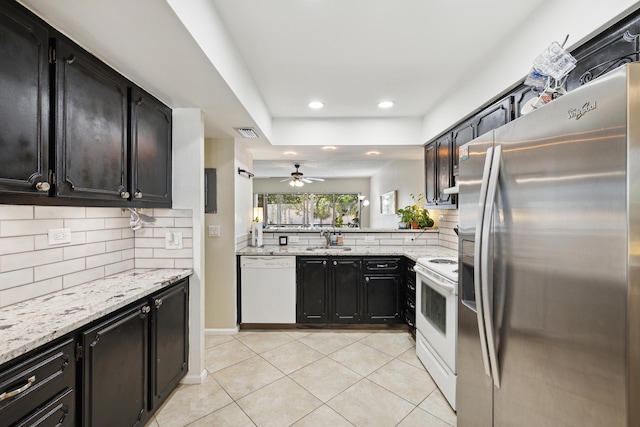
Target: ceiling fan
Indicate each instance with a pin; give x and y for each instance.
(298, 179)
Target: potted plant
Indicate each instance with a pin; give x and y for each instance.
(416, 215)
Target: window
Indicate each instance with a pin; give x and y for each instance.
(310, 210)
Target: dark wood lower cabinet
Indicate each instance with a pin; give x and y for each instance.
(338, 290)
(169, 341)
(346, 291)
(115, 370)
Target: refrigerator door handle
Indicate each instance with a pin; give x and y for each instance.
(477, 276)
(486, 236)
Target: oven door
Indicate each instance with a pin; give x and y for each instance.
(436, 313)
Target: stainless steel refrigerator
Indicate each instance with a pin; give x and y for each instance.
(549, 287)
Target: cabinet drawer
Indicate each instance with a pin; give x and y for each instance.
(382, 265)
(32, 383)
(58, 413)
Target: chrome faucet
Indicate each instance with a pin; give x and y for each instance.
(327, 236)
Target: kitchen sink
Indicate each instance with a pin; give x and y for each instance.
(328, 248)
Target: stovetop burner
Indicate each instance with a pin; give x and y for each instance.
(442, 261)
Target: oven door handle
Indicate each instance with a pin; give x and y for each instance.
(434, 283)
(478, 264)
(487, 296)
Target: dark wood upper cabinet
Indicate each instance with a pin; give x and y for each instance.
(91, 127)
(437, 167)
(150, 169)
(24, 103)
(460, 135)
(430, 171)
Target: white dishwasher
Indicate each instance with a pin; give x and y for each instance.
(268, 289)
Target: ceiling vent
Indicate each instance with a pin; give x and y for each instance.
(247, 133)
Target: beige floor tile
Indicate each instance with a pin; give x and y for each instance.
(281, 403)
(392, 343)
(292, 356)
(406, 381)
(213, 340)
(368, 404)
(152, 423)
(265, 341)
(361, 358)
(247, 376)
(325, 378)
(226, 354)
(323, 416)
(420, 418)
(192, 402)
(296, 333)
(411, 358)
(355, 334)
(326, 342)
(437, 405)
(229, 416)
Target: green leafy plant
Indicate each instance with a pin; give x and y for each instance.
(416, 213)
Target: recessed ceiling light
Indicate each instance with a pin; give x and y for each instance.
(373, 153)
(329, 148)
(385, 104)
(290, 153)
(316, 105)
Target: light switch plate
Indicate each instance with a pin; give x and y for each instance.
(173, 240)
(59, 236)
(214, 231)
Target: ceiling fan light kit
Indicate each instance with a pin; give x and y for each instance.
(298, 179)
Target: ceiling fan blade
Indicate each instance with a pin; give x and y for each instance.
(316, 179)
(306, 180)
(286, 179)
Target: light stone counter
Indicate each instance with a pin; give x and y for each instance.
(27, 325)
(408, 251)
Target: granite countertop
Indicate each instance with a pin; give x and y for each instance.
(345, 230)
(408, 251)
(27, 325)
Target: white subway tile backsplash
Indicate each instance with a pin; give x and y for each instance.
(84, 250)
(29, 291)
(84, 224)
(104, 259)
(119, 267)
(48, 271)
(11, 245)
(29, 259)
(102, 243)
(84, 276)
(119, 245)
(8, 212)
(16, 278)
(59, 212)
(103, 235)
(28, 227)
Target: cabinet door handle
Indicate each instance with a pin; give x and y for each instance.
(125, 194)
(9, 394)
(71, 59)
(366, 279)
(145, 310)
(43, 186)
(413, 288)
(158, 302)
(382, 265)
(324, 262)
(137, 195)
(335, 262)
(412, 306)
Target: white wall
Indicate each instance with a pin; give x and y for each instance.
(404, 176)
(512, 60)
(188, 193)
(329, 185)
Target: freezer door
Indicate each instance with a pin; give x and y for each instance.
(559, 272)
(474, 388)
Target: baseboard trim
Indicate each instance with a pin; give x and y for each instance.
(221, 331)
(195, 378)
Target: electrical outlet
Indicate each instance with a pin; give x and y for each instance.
(173, 240)
(368, 239)
(294, 239)
(59, 236)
